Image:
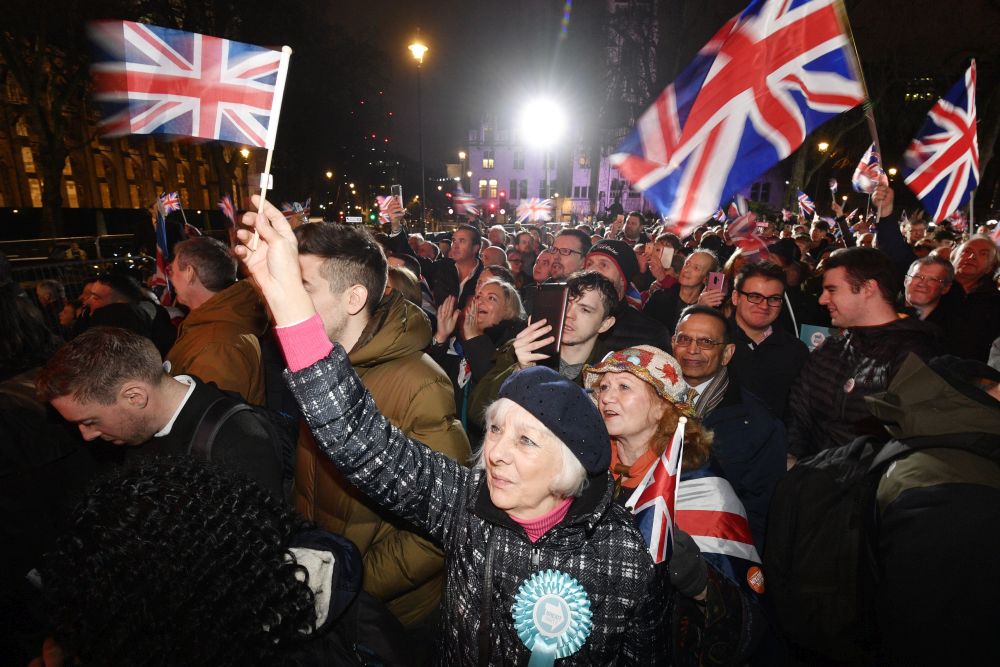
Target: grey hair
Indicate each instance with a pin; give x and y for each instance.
(572, 478)
(956, 255)
(936, 260)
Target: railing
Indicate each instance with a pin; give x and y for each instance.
(75, 274)
(50, 249)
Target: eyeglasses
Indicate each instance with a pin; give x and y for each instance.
(683, 340)
(922, 279)
(757, 297)
(565, 252)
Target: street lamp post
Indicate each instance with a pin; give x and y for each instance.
(461, 167)
(419, 50)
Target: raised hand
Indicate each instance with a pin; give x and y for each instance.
(883, 198)
(271, 257)
(711, 297)
(470, 322)
(533, 337)
(447, 319)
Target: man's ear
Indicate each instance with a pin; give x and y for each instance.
(727, 353)
(357, 297)
(135, 394)
(608, 322)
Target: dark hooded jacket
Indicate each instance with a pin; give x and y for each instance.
(487, 555)
(826, 407)
(938, 506)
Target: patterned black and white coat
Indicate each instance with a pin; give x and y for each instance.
(596, 543)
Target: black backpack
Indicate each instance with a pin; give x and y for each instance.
(282, 429)
(819, 558)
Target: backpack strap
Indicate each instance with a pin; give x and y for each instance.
(211, 422)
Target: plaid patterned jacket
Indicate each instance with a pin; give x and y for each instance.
(596, 542)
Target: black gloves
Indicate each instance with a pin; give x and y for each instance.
(688, 572)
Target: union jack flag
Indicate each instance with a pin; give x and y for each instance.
(389, 207)
(833, 186)
(154, 80)
(942, 162)
(228, 210)
(720, 215)
(869, 173)
(769, 77)
(745, 232)
(160, 279)
(534, 210)
(296, 213)
(654, 498)
(806, 205)
(466, 204)
(709, 510)
(786, 215)
(171, 201)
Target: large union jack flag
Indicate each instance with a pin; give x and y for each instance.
(942, 162)
(153, 80)
(466, 204)
(709, 510)
(654, 498)
(806, 205)
(768, 78)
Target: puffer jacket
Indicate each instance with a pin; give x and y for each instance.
(217, 342)
(402, 569)
(826, 407)
(596, 542)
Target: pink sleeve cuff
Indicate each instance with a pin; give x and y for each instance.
(304, 343)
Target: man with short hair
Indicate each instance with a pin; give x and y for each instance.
(589, 312)
(118, 300)
(973, 300)
(497, 236)
(768, 359)
(928, 279)
(219, 339)
(494, 256)
(456, 274)
(616, 261)
(111, 384)
(826, 407)
(633, 232)
(567, 250)
(916, 230)
(344, 272)
(749, 442)
(819, 243)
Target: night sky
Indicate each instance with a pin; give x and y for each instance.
(486, 55)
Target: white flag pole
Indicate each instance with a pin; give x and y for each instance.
(272, 132)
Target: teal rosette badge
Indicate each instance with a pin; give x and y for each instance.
(552, 616)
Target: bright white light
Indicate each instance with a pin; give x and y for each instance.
(542, 122)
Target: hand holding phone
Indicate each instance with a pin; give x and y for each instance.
(550, 305)
(667, 257)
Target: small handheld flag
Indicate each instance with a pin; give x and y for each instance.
(654, 500)
(869, 174)
(806, 205)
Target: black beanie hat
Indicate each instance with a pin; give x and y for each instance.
(621, 253)
(566, 410)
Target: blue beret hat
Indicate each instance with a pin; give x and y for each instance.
(566, 410)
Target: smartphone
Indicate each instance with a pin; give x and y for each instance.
(667, 257)
(717, 281)
(397, 192)
(550, 305)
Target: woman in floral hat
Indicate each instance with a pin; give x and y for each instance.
(641, 395)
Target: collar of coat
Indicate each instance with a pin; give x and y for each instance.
(584, 514)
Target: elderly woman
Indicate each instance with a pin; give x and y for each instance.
(539, 561)
(641, 394)
(666, 305)
(467, 353)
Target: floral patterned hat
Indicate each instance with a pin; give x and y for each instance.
(649, 364)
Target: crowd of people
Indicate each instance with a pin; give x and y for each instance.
(340, 446)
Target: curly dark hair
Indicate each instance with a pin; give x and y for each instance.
(177, 562)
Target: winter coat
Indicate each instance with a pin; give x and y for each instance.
(402, 569)
(444, 282)
(633, 328)
(750, 448)
(937, 508)
(972, 319)
(768, 368)
(595, 543)
(826, 407)
(218, 342)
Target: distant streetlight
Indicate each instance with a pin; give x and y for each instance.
(245, 152)
(350, 185)
(822, 147)
(542, 125)
(893, 171)
(418, 50)
(844, 198)
(469, 174)
(329, 175)
(461, 155)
